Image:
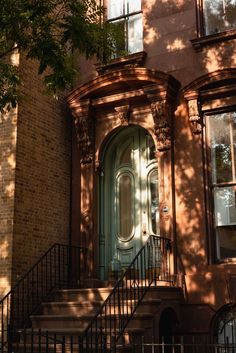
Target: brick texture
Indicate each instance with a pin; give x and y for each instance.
(35, 169)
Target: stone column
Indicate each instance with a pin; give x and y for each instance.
(85, 133)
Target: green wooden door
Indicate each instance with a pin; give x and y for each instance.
(129, 209)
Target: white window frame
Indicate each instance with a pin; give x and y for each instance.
(132, 45)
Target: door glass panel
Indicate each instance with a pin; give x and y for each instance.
(125, 157)
(150, 148)
(125, 206)
(154, 201)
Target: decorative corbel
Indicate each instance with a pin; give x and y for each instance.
(194, 116)
(84, 126)
(123, 113)
(160, 112)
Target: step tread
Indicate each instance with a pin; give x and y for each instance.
(96, 302)
(83, 290)
(73, 303)
(69, 317)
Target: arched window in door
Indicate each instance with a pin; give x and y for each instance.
(225, 329)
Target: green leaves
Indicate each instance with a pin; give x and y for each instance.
(9, 81)
(49, 31)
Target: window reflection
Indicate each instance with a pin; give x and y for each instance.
(219, 15)
(125, 206)
(126, 15)
(222, 137)
(226, 328)
(154, 201)
(125, 157)
(221, 130)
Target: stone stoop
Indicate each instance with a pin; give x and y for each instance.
(69, 312)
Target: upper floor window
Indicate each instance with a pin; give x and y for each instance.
(219, 15)
(127, 15)
(222, 144)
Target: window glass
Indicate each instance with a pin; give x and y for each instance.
(135, 34)
(134, 6)
(150, 148)
(154, 201)
(219, 15)
(115, 8)
(226, 329)
(125, 157)
(125, 206)
(222, 139)
(130, 24)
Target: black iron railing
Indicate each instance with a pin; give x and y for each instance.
(60, 267)
(180, 344)
(150, 265)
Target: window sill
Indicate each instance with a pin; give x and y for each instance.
(199, 43)
(230, 260)
(132, 60)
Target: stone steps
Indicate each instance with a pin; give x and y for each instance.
(69, 312)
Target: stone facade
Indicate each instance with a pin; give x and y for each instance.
(204, 66)
(166, 89)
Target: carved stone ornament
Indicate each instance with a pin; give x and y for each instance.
(85, 135)
(160, 111)
(194, 116)
(123, 113)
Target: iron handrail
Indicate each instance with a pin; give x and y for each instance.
(53, 270)
(151, 264)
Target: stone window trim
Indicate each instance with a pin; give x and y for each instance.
(211, 92)
(131, 60)
(157, 91)
(204, 40)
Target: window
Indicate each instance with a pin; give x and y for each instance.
(126, 14)
(222, 144)
(219, 15)
(225, 329)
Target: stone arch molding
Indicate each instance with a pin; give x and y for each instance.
(215, 85)
(119, 93)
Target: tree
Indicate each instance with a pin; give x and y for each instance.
(49, 31)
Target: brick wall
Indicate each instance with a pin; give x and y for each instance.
(42, 191)
(8, 123)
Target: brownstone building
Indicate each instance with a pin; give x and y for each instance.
(150, 151)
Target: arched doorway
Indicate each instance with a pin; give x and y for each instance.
(129, 198)
(167, 325)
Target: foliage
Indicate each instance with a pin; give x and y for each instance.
(49, 31)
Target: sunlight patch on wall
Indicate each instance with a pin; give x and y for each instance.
(212, 60)
(4, 250)
(151, 36)
(10, 188)
(4, 286)
(177, 44)
(11, 160)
